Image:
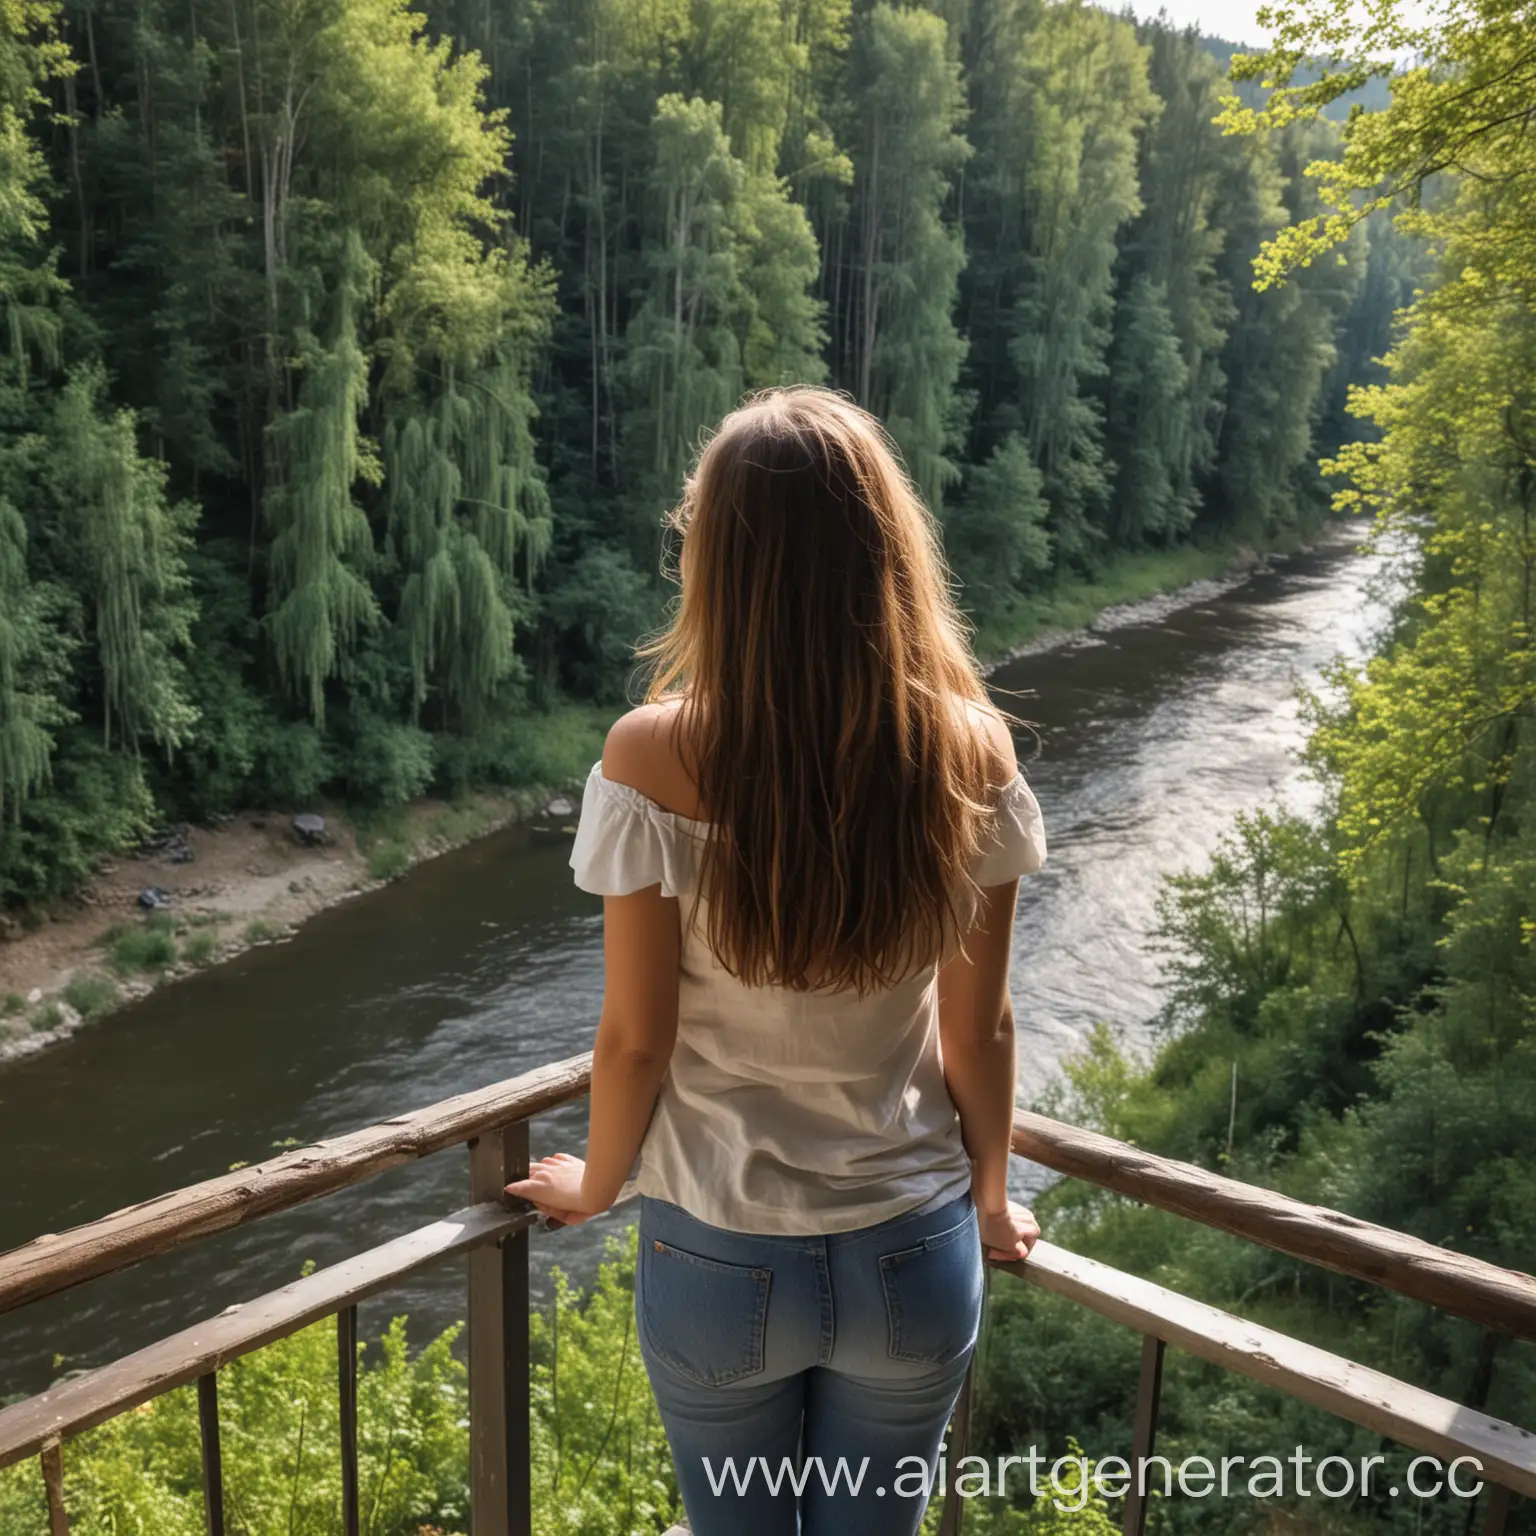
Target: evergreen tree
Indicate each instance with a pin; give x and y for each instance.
(726, 304)
(1147, 425)
(684, 362)
(1177, 241)
(1082, 98)
(996, 535)
(900, 351)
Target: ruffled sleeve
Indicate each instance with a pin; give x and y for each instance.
(1015, 843)
(625, 842)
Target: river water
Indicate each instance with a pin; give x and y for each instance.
(486, 962)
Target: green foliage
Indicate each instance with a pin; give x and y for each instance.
(725, 303)
(597, 609)
(1463, 104)
(1147, 424)
(97, 802)
(389, 861)
(200, 948)
(1072, 602)
(1070, 1503)
(30, 672)
(292, 762)
(140, 948)
(282, 1448)
(457, 824)
(554, 749)
(321, 599)
(997, 537)
(89, 994)
(600, 1468)
(1081, 87)
(385, 763)
(906, 350)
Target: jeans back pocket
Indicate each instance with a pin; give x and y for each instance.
(933, 1295)
(705, 1319)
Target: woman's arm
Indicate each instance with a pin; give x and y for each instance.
(635, 1042)
(642, 955)
(635, 1035)
(976, 1037)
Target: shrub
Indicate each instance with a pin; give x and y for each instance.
(200, 948)
(150, 948)
(388, 861)
(97, 802)
(47, 1017)
(551, 749)
(456, 824)
(259, 932)
(602, 1467)
(90, 994)
(14, 1003)
(293, 761)
(386, 764)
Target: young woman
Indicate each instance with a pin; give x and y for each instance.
(808, 843)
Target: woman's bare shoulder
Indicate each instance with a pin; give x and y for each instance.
(1002, 758)
(644, 750)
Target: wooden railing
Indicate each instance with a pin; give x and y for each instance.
(493, 1231)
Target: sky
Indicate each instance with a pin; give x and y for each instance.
(1231, 19)
(1236, 20)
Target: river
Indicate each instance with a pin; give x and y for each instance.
(486, 962)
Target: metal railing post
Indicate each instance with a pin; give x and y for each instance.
(1496, 1514)
(212, 1454)
(53, 1480)
(1148, 1392)
(499, 1426)
(346, 1372)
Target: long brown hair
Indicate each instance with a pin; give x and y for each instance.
(825, 679)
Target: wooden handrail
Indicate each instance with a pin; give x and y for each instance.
(1407, 1414)
(54, 1263)
(1501, 1299)
(1466, 1287)
(89, 1399)
(494, 1123)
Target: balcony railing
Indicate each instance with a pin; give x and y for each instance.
(493, 1231)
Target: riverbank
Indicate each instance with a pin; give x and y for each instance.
(254, 881)
(219, 892)
(1136, 589)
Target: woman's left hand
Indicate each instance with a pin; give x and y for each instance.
(553, 1188)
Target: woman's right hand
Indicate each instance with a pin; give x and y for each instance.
(1008, 1234)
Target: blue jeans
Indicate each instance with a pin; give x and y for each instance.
(805, 1383)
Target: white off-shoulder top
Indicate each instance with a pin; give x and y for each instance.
(783, 1112)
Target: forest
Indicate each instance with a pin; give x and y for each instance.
(352, 355)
